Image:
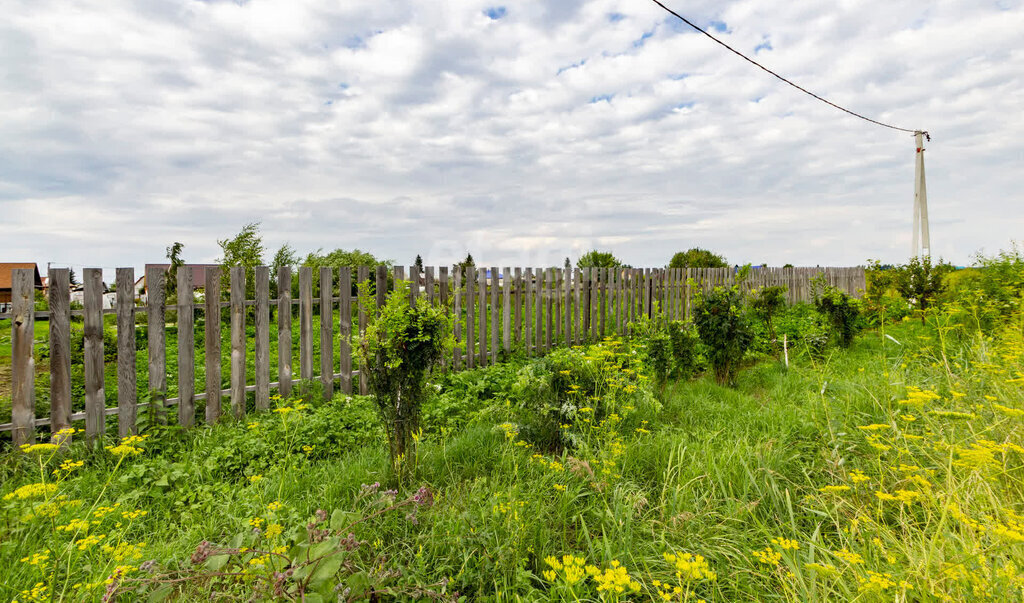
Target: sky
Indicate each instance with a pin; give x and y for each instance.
(522, 132)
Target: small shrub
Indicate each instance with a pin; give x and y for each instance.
(685, 352)
(840, 311)
(767, 303)
(402, 344)
(724, 329)
(920, 282)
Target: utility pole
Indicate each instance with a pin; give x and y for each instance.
(921, 245)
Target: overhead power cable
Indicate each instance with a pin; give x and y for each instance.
(798, 87)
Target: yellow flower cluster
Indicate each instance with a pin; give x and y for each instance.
(124, 551)
(37, 558)
(38, 490)
(128, 446)
(847, 556)
(569, 568)
(822, 569)
(834, 489)
(273, 530)
(691, 567)
(38, 448)
(613, 579)
(89, 541)
(919, 397)
(39, 592)
(768, 556)
(878, 582)
(68, 466)
(786, 544)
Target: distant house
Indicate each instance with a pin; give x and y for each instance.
(198, 274)
(6, 276)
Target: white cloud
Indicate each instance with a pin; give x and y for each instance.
(432, 128)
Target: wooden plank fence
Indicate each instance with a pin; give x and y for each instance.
(496, 312)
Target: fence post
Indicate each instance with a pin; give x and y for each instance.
(23, 402)
(506, 315)
(495, 314)
(482, 315)
(345, 327)
(517, 302)
(470, 316)
(261, 347)
(127, 393)
(60, 350)
(457, 314)
(238, 351)
(305, 325)
(95, 399)
(538, 310)
(211, 336)
(284, 331)
(156, 341)
(186, 349)
(362, 290)
(327, 331)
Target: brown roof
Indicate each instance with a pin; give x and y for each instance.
(6, 274)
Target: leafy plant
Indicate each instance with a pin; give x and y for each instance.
(839, 309)
(920, 282)
(766, 304)
(685, 353)
(598, 259)
(696, 257)
(402, 344)
(724, 329)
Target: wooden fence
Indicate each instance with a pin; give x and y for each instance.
(495, 312)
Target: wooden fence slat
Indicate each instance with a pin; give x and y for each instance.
(538, 310)
(305, 326)
(528, 309)
(414, 283)
(95, 399)
(481, 276)
(549, 293)
(595, 302)
(127, 391)
(442, 285)
(23, 400)
(567, 306)
(362, 291)
(327, 331)
(428, 282)
(495, 315)
(238, 351)
(556, 296)
(345, 327)
(577, 314)
(284, 331)
(381, 287)
(212, 341)
(186, 348)
(604, 300)
(470, 317)
(261, 347)
(518, 303)
(156, 340)
(457, 314)
(506, 315)
(585, 306)
(59, 280)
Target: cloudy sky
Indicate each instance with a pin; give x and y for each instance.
(522, 132)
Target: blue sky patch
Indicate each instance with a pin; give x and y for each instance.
(495, 12)
(603, 97)
(643, 38)
(718, 26)
(615, 17)
(573, 66)
(766, 45)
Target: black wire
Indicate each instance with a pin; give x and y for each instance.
(800, 88)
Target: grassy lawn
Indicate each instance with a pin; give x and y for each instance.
(887, 472)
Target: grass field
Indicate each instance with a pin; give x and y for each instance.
(834, 479)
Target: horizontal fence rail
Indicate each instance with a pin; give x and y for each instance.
(495, 312)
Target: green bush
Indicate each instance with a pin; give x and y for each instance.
(839, 310)
(402, 344)
(686, 356)
(724, 329)
(767, 303)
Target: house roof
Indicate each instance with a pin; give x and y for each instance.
(6, 273)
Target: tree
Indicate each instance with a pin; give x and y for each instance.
(174, 255)
(245, 250)
(724, 330)
(568, 264)
(697, 258)
(466, 263)
(284, 256)
(598, 259)
(418, 264)
(919, 282)
(337, 259)
(73, 278)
